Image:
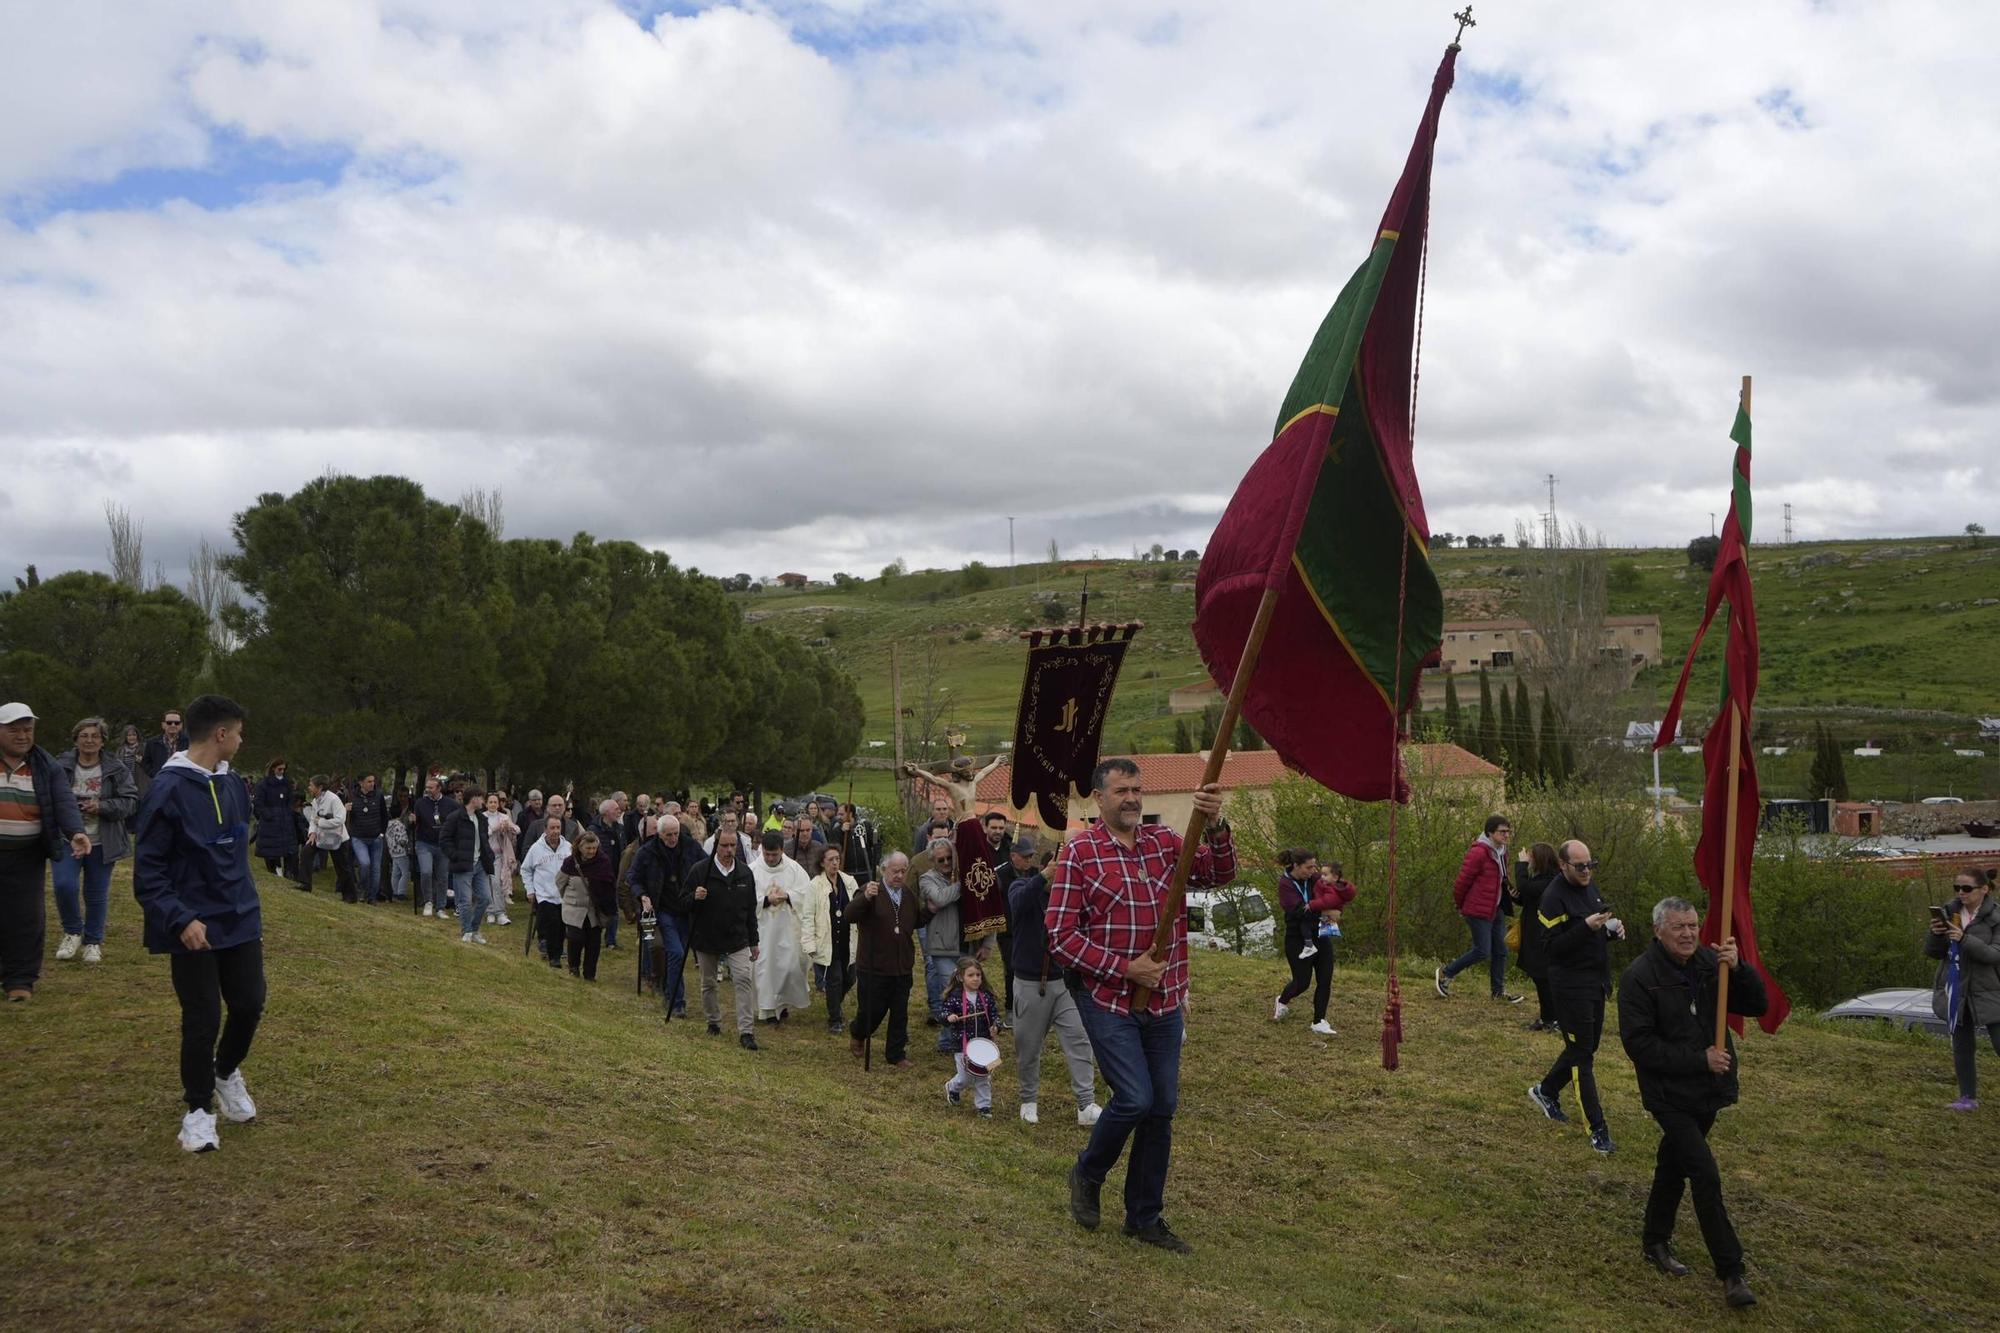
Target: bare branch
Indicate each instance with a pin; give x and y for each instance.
(127, 547)
(213, 591)
(486, 506)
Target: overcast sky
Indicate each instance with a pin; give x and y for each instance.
(813, 286)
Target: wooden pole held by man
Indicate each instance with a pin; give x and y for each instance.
(1729, 837)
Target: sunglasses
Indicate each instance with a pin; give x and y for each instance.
(1581, 865)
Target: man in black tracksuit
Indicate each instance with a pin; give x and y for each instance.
(1666, 1020)
(1577, 922)
(719, 896)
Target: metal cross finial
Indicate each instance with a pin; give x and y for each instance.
(1465, 20)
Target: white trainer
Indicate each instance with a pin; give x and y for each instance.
(1088, 1115)
(478, 938)
(1324, 1028)
(1031, 1113)
(67, 949)
(465, 937)
(1279, 1009)
(237, 1108)
(198, 1132)
(93, 953)
(429, 910)
(504, 920)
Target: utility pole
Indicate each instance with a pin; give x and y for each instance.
(896, 712)
(1550, 530)
(1010, 550)
(1711, 522)
(1788, 525)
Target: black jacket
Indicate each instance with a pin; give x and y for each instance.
(61, 819)
(611, 839)
(157, 752)
(432, 814)
(1579, 957)
(369, 815)
(1667, 1028)
(658, 871)
(1533, 957)
(277, 832)
(463, 841)
(726, 920)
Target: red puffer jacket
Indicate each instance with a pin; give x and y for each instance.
(1477, 888)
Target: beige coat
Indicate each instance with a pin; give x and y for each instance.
(576, 906)
(816, 921)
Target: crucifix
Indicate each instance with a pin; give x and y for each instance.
(959, 783)
(1465, 20)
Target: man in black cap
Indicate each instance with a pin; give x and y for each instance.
(1042, 1001)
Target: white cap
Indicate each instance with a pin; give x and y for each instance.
(16, 712)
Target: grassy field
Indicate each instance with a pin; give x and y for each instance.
(457, 1138)
(1882, 640)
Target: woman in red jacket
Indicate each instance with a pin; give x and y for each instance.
(1479, 893)
(1311, 899)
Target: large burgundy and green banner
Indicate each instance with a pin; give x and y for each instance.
(1330, 514)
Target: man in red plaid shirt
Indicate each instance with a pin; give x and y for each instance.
(1104, 907)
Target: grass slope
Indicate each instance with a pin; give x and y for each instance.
(456, 1137)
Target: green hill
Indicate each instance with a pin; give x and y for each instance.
(1893, 641)
(454, 1137)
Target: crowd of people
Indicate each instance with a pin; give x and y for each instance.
(804, 902)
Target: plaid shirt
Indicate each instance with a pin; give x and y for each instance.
(1104, 906)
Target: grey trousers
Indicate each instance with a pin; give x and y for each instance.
(1034, 1014)
(742, 977)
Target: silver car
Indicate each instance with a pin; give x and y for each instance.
(1906, 1006)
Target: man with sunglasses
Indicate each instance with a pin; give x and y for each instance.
(1578, 926)
(170, 742)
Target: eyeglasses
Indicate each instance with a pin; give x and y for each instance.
(1503, 830)
(1581, 865)
(171, 722)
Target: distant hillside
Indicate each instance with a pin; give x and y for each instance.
(1897, 641)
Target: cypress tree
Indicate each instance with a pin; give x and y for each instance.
(1489, 722)
(1453, 721)
(1527, 757)
(1548, 752)
(1568, 753)
(1828, 778)
(1509, 756)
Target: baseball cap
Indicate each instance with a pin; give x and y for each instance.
(16, 712)
(1025, 845)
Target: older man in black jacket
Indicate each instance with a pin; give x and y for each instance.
(1666, 1020)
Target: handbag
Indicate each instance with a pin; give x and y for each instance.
(1514, 935)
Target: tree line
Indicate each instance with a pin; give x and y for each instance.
(379, 629)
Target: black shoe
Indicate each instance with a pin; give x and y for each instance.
(747, 1042)
(1083, 1200)
(715, 1029)
(1661, 1256)
(1737, 1292)
(1161, 1235)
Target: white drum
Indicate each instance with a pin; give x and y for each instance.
(982, 1056)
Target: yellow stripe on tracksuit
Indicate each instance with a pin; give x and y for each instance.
(1575, 1085)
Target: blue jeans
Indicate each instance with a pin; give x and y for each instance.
(1140, 1057)
(937, 980)
(673, 938)
(475, 895)
(367, 853)
(611, 931)
(93, 876)
(1489, 941)
(399, 877)
(436, 868)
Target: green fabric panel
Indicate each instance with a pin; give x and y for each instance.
(1329, 362)
(1740, 477)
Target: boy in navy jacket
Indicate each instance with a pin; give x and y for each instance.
(191, 875)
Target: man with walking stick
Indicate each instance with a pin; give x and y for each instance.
(885, 918)
(1667, 1022)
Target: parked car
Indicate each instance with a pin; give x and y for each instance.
(1213, 916)
(1907, 1007)
(1944, 800)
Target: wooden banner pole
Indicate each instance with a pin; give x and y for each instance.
(1729, 832)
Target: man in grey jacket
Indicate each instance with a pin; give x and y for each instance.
(943, 943)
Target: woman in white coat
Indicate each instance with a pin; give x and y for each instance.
(826, 939)
(782, 888)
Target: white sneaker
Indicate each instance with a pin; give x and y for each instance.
(237, 1108)
(93, 953)
(429, 910)
(1309, 951)
(1088, 1115)
(465, 937)
(1279, 1009)
(1324, 1028)
(504, 920)
(67, 949)
(198, 1132)
(1031, 1113)
(477, 938)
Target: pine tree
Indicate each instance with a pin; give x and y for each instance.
(1509, 756)
(1489, 722)
(1183, 738)
(1828, 777)
(1548, 750)
(1453, 722)
(1527, 761)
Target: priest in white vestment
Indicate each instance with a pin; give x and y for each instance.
(783, 980)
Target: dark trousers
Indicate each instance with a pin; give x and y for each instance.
(1140, 1057)
(287, 865)
(1316, 971)
(549, 929)
(1006, 943)
(672, 982)
(1581, 1017)
(1965, 1054)
(877, 997)
(833, 979)
(1545, 999)
(311, 858)
(23, 915)
(206, 981)
(1684, 1158)
(584, 943)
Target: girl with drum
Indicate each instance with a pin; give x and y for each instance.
(972, 1013)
